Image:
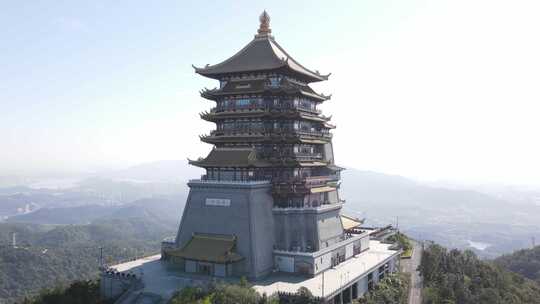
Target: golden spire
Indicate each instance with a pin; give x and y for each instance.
(264, 27)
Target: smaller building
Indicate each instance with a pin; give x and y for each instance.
(208, 254)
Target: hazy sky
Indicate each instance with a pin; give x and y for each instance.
(428, 89)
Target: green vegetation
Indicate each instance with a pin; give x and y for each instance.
(220, 294)
(404, 242)
(525, 262)
(392, 289)
(302, 296)
(455, 277)
(80, 292)
(239, 293)
(50, 256)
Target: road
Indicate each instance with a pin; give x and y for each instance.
(410, 266)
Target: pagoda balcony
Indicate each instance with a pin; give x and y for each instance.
(302, 185)
(307, 156)
(253, 131)
(310, 110)
(216, 114)
(248, 108)
(262, 132)
(262, 87)
(310, 181)
(290, 156)
(315, 134)
(254, 181)
(239, 108)
(295, 208)
(272, 110)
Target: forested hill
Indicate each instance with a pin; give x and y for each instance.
(48, 256)
(525, 262)
(453, 276)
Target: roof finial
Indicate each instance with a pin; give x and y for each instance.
(264, 27)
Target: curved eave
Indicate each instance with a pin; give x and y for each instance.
(213, 116)
(335, 168)
(211, 139)
(208, 94)
(214, 94)
(319, 97)
(260, 55)
(203, 163)
(329, 125)
(308, 77)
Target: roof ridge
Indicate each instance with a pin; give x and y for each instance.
(316, 73)
(267, 38)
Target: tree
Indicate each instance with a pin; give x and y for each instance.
(452, 276)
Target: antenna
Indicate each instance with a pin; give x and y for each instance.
(100, 257)
(14, 240)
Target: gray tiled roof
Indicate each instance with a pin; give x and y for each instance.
(231, 157)
(209, 248)
(260, 85)
(261, 54)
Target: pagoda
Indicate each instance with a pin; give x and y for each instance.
(268, 200)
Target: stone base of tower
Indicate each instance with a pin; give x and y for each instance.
(226, 230)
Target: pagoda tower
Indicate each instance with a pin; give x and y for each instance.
(269, 199)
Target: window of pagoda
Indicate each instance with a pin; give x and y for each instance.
(305, 172)
(304, 103)
(222, 83)
(210, 173)
(274, 80)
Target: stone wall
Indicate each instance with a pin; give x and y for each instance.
(246, 213)
(113, 284)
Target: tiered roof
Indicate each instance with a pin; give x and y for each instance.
(263, 53)
(247, 158)
(257, 86)
(231, 157)
(209, 248)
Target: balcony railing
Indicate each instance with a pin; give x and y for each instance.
(235, 182)
(270, 132)
(244, 108)
(309, 181)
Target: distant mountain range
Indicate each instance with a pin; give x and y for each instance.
(130, 211)
(161, 210)
(451, 216)
(164, 171)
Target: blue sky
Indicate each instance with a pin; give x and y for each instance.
(443, 90)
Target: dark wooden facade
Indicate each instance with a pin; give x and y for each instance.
(269, 125)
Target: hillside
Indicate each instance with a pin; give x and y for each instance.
(459, 218)
(453, 276)
(525, 262)
(161, 209)
(452, 216)
(64, 215)
(47, 256)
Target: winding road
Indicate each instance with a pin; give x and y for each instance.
(410, 266)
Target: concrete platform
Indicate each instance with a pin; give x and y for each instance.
(159, 278)
(335, 279)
